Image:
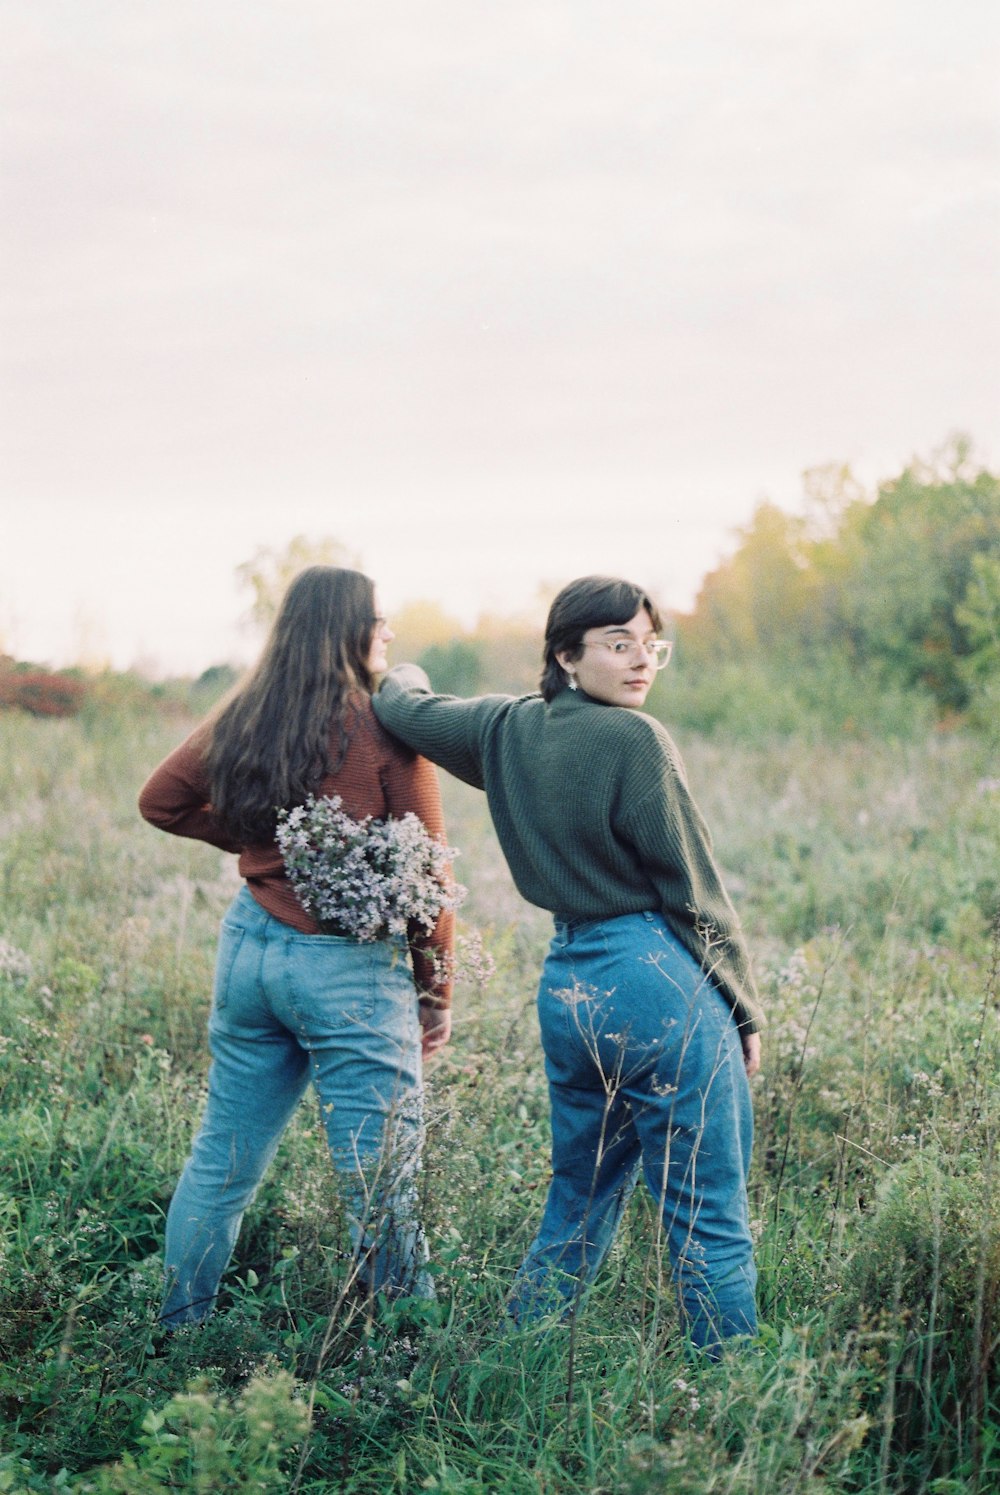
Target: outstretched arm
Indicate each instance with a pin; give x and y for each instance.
(445, 729)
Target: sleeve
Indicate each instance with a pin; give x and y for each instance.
(445, 729)
(411, 785)
(673, 843)
(175, 797)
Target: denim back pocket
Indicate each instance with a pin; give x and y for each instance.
(230, 941)
(331, 982)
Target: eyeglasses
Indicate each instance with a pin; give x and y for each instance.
(658, 650)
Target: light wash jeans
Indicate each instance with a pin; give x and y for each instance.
(645, 1065)
(289, 1008)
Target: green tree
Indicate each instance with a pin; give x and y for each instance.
(979, 615)
(908, 561)
(759, 600)
(455, 668)
(269, 571)
(419, 626)
(899, 586)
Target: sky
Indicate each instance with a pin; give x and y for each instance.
(494, 295)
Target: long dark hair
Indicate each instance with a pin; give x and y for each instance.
(588, 602)
(270, 741)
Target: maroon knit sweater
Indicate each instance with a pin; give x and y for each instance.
(378, 776)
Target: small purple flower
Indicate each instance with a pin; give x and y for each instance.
(365, 878)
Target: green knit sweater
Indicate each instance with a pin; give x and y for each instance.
(592, 810)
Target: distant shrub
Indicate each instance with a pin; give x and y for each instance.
(765, 699)
(210, 686)
(455, 668)
(41, 692)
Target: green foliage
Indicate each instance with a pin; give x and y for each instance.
(268, 572)
(979, 615)
(866, 875)
(203, 1442)
(911, 557)
(761, 597)
(763, 699)
(927, 1269)
(210, 685)
(455, 668)
(898, 589)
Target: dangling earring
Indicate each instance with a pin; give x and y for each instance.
(572, 681)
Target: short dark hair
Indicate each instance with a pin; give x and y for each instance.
(588, 602)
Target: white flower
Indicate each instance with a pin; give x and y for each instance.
(13, 962)
(365, 878)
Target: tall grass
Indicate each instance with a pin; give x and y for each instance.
(868, 879)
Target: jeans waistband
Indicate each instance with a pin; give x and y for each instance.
(247, 910)
(251, 915)
(567, 928)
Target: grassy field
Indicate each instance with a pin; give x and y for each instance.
(868, 878)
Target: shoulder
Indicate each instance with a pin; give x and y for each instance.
(640, 740)
(651, 732)
(526, 706)
(502, 720)
(371, 732)
(192, 754)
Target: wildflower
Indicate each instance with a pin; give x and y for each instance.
(471, 961)
(14, 964)
(365, 878)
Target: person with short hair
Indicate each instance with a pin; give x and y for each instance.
(648, 1011)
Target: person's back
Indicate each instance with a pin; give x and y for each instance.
(591, 808)
(647, 968)
(294, 1003)
(560, 777)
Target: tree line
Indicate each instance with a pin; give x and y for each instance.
(906, 585)
(862, 611)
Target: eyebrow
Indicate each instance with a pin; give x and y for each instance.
(620, 628)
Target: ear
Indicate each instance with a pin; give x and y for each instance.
(566, 658)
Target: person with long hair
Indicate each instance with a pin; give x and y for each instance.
(292, 1004)
(649, 1016)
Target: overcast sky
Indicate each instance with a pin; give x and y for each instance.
(494, 294)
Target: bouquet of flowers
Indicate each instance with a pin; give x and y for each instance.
(365, 878)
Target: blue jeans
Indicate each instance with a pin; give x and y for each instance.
(645, 1065)
(289, 1008)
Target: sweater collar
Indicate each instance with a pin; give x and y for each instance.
(572, 700)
